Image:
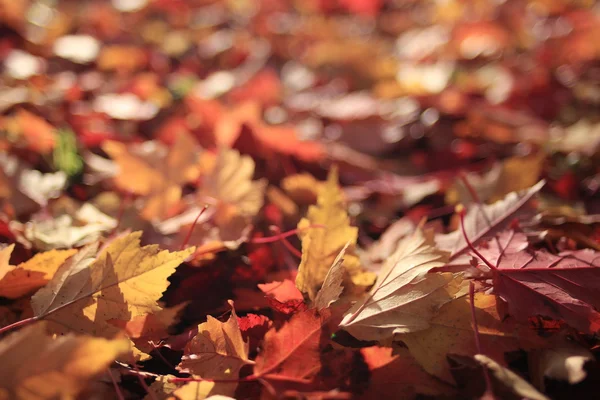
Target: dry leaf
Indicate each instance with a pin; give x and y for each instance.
(35, 366)
(400, 374)
(146, 331)
(302, 188)
(483, 221)
(451, 331)
(218, 351)
(294, 350)
(124, 281)
(564, 362)
(31, 275)
(512, 381)
(321, 245)
(405, 297)
(158, 177)
(332, 285)
(231, 188)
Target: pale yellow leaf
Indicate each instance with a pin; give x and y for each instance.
(405, 297)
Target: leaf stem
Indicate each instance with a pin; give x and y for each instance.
(117, 388)
(282, 235)
(189, 234)
(286, 243)
(461, 212)
(17, 324)
(486, 375)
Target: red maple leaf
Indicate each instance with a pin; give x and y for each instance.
(293, 352)
(534, 282)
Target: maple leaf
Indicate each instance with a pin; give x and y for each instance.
(293, 351)
(146, 331)
(36, 366)
(451, 331)
(124, 281)
(405, 297)
(218, 351)
(283, 296)
(302, 188)
(37, 133)
(564, 286)
(484, 220)
(230, 185)
(31, 275)
(398, 372)
(159, 178)
(320, 246)
(512, 175)
(281, 139)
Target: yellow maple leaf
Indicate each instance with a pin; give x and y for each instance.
(218, 351)
(321, 245)
(31, 275)
(123, 282)
(35, 366)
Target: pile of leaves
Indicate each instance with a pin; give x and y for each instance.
(323, 199)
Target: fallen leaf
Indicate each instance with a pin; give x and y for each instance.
(67, 231)
(332, 285)
(451, 331)
(293, 350)
(230, 187)
(405, 297)
(31, 275)
(148, 330)
(283, 296)
(563, 287)
(302, 188)
(564, 362)
(482, 221)
(280, 139)
(124, 281)
(217, 352)
(399, 373)
(36, 366)
(159, 178)
(321, 245)
(512, 381)
(35, 131)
